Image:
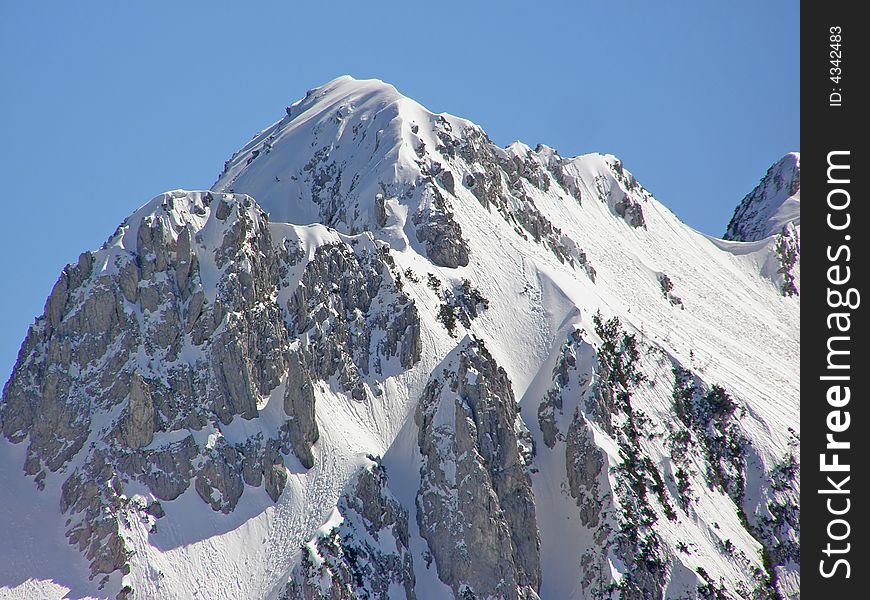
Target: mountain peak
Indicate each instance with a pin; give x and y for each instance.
(348, 84)
(346, 139)
(346, 90)
(773, 204)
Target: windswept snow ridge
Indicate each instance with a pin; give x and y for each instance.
(385, 358)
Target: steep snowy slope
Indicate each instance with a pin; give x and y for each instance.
(385, 358)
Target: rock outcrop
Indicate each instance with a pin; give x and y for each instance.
(153, 346)
(362, 551)
(773, 203)
(475, 507)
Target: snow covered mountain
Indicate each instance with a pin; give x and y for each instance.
(772, 205)
(385, 358)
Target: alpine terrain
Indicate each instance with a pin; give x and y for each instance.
(385, 358)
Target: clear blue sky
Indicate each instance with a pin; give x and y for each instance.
(103, 105)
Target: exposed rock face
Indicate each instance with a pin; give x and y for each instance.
(622, 193)
(249, 348)
(585, 463)
(551, 408)
(443, 238)
(507, 179)
(475, 506)
(332, 307)
(667, 286)
(788, 251)
(441, 234)
(195, 293)
(80, 363)
(630, 210)
(137, 426)
(380, 210)
(363, 551)
(299, 402)
(43, 399)
(586, 471)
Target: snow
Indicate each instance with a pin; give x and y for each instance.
(736, 330)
